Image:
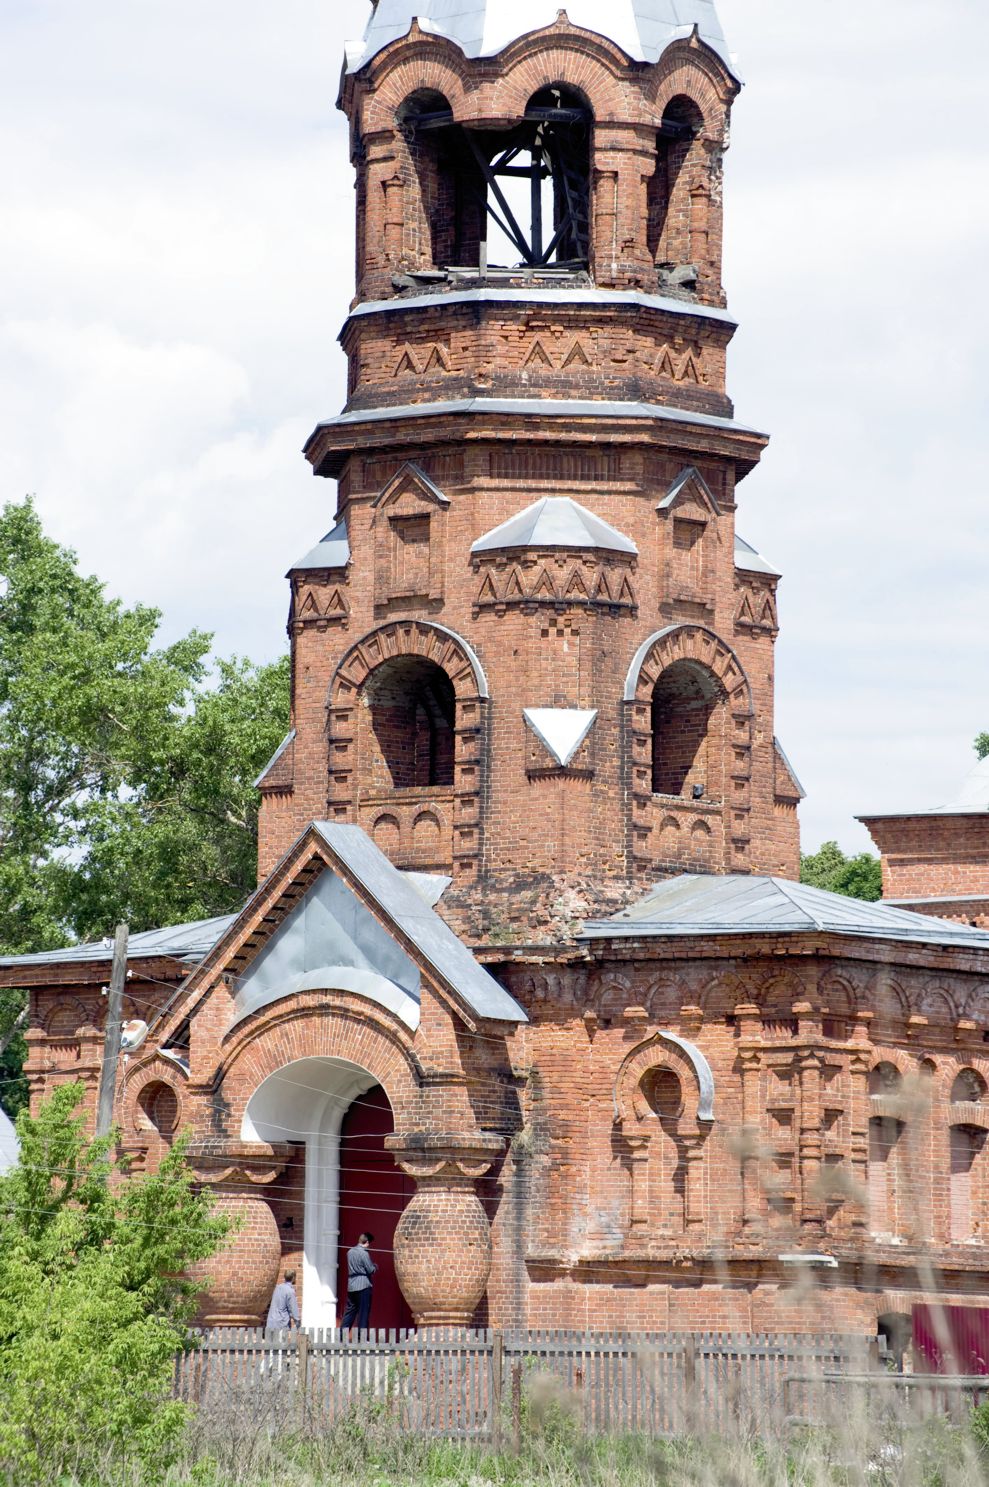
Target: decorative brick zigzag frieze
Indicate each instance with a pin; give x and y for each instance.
(558, 583)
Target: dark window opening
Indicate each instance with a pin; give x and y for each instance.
(668, 239)
(412, 709)
(521, 194)
(685, 704)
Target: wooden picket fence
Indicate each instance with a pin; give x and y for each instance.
(484, 1385)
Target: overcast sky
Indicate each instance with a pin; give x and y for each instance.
(175, 264)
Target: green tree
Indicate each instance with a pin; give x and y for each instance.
(126, 769)
(93, 1306)
(982, 745)
(854, 877)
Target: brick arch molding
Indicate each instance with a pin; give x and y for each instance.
(463, 667)
(320, 1025)
(687, 643)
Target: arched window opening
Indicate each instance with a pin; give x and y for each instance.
(885, 1079)
(513, 198)
(884, 1172)
(438, 195)
(967, 1143)
(677, 231)
(411, 716)
(663, 1093)
(159, 1107)
(686, 713)
(969, 1088)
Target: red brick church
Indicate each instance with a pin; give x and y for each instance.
(528, 986)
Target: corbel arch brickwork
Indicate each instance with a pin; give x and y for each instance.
(463, 813)
(687, 1126)
(718, 833)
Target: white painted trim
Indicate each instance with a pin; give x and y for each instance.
(307, 1101)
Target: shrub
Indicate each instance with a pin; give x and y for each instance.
(93, 1307)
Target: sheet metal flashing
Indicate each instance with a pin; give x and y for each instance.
(948, 898)
(972, 799)
(285, 743)
(690, 473)
(750, 561)
(643, 29)
(793, 773)
(537, 407)
(186, 942)
(333, 551)
(695, 905)
(557, 297)
(632, 679)
(432, 937)
(556, 521)
(9, 1145)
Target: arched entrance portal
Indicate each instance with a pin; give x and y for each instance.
(319, 1103)
(373, 1195)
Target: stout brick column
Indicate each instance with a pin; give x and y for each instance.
(443, 1241)
(239, 1279)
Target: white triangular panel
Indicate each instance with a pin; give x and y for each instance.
(561, 729)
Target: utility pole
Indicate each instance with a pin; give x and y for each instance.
(111, 1042)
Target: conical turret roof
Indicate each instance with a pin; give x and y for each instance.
(481, 28)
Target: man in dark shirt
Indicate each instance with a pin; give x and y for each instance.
(360, 1275)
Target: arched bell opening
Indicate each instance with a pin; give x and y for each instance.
(518, 196)
(687, 733)
(678, 198)
(341, 1181)
(410, 717)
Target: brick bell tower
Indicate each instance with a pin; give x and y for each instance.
(533, 653)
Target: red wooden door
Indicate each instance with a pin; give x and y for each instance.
(373, 1194)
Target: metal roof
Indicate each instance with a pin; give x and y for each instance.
(750, 561)
(332, 551)
(972, 799)
(482, 28)
(792, 772)
(286, 743)
(742, 905)
(565, 295)
(188, 942)
(9, 1145)
(538, 407)
(435, 941)
(555, 521)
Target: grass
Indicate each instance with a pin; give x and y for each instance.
(367, 1449)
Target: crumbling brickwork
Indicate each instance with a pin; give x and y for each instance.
(684, 1120)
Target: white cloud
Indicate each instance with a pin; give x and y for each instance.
(176, 212)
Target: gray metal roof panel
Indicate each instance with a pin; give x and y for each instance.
(9, 1145)
(737, 904)
(558, 297)
(555, 521)
(750, 561)
(433, 938)
(482, 28)
(793, 773)
(286, 741)
(333, 551)
(178, 942)
(972, 799)
(537, 407)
